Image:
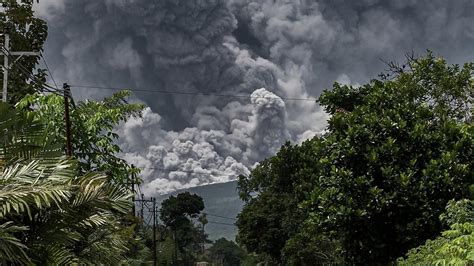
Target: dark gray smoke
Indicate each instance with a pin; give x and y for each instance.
(276, 48)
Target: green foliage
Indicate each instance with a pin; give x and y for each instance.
(27, 33)
(227, 252)
(166, 254)
(48, 213)
(139, 245)
(176, 213)
(35, 130)
(270, 222)
(38, 132)
(23, 136)
(373, 186)
(93, 124)
(250, 260)
(461, 211)
(12, 249)
(455, 246)
(394, 161)
(175, 210)
(307, 247)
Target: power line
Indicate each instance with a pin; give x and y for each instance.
(43, 86)
(49, 71)
(48, 87)
(209, 214)
(224, 217)
(194, 93)
(55, 90)
(23, 69)
(149, 210)
(211, 222)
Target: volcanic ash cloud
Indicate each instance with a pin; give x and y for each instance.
(174, 160)
(293, 49)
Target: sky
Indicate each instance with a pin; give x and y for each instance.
(281, 54)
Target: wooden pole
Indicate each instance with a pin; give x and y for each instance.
(67, 93)
(133, 192)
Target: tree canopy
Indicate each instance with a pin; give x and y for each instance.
(177, 213)
(395, 152)
(92, 129)
(182, 207)
(271, 215)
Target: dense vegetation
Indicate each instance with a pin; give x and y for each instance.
(455, 246)
(177, 214)
(396, 151)
(50, 212)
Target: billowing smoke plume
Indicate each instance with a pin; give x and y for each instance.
(280, 53)
(207, 154)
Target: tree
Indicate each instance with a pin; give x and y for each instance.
(394, 158)
(227, 252)
(92, 125)
(396, 151)
(179, 209)
(272, 194)
(48, 213)
(27, 33)
(455, 246)
(176, 213)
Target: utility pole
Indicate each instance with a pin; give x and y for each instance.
(5, 67)
(154, 232)
(203, 220)
(142, 206)
(133, 192)
(6, 64)
(153, 212)
(175, 255)
(133, 198)
(67, 94)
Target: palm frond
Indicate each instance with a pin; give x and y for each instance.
(23, 187)
(105, 246)
(59, 255)
(60, 217)
(24, 136)
(12, 250)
